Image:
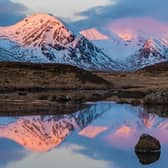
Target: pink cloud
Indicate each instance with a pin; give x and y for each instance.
(132, 26)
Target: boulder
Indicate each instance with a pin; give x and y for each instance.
(148, 143)
(148, 149)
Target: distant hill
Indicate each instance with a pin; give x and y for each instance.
(155, 69)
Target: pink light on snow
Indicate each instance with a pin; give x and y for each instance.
(93, 34)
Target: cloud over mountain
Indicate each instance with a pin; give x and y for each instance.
(124, 9)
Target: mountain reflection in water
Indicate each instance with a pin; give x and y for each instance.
(98, 129)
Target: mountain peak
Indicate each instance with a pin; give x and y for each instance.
(38, 29)
(149, 43)
(93, 34)
(38, 18)
(44, 38)
(44, 16)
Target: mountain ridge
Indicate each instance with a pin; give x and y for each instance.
(135, 52)
(45, 39)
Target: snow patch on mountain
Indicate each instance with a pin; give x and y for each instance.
(93, 34)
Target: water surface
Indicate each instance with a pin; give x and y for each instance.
(102, 135)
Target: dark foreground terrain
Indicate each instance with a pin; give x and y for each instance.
(148, 85)
(47, 84)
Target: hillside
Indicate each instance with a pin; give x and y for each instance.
(133, 87)
(29, 76)
(43, 85)
(158, 69)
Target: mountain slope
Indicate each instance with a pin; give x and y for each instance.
(43, 38)
(152, 52)
(135, 52)
(93, 34)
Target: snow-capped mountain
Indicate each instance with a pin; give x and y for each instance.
(43, 38)
(153, 51)
(135, 51)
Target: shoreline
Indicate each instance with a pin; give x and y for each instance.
(59, 83)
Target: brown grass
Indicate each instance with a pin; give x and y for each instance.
(148, 79)
(57, 82)
(27, 76)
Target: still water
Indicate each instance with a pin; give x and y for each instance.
(102, 135)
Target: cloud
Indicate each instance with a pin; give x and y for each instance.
(11, 12)
(10, 152)
(62, 8)
(141, 25)
(98, 16)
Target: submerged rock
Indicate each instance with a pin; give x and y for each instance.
(147, 143)
(148, 158)
(148, 149)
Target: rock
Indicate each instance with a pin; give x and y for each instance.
(64, 99)
(148, 158)
(160, 97)
(148, 144)
(135, 102)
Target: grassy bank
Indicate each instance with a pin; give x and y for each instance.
(57, 83)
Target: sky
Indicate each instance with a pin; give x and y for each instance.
(90, 13)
